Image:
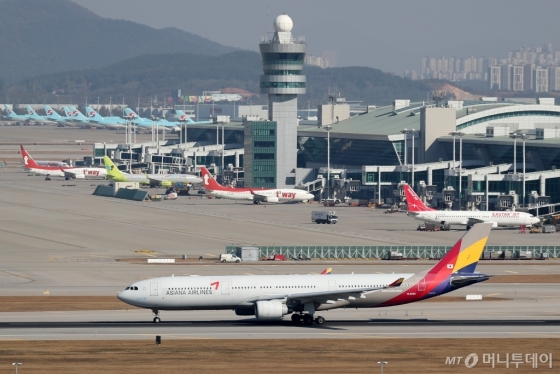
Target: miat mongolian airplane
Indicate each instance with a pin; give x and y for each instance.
(270, 297)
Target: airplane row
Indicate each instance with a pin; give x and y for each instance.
(73, 116)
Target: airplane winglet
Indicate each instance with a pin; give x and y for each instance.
(251, 190)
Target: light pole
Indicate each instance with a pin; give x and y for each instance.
(382, 363)
(460, 135)
(328, 128)
(524, 137)
(16, 364)
(412, 132)
(405, 132)
(514, 136)
(110, 106)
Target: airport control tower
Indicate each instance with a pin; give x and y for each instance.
(283, 80)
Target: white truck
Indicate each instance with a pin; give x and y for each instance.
(225, 257)
(323, 216)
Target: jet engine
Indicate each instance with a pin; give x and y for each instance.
(270, 309)
(271, 199)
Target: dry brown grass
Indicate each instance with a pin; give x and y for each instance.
(267, 356)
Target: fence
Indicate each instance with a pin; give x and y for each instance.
(375, 252)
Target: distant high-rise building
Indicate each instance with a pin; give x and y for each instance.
(495, 78)
(517, 78)
(506, 76)
(528, 82)
(540, 79)
(330, 56)
(554, 78)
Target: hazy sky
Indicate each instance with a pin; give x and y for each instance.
(391, 35)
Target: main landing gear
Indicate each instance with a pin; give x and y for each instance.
(156, 318)
(307, 319)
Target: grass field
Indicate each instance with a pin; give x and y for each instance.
(270, 356)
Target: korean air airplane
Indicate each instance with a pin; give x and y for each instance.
(418, 210)
(271, 297)
(95, 118)
(257, 196)
(9, 115)
(33, 116)
(165, 180)
(75, 116)
(183, 117)
(147, 122)
(53, 116)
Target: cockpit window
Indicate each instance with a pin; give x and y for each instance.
(128, 288)
(135, 288)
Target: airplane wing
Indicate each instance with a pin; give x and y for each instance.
(68, 174)
(325, 297)
(472, 221)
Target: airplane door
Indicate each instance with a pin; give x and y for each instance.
(421, 284)
(225, 288)
(153, 289)
(332, 285)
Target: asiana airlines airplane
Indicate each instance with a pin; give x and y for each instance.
(271, 297)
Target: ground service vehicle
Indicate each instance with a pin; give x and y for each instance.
(324, 217)
(225, 257)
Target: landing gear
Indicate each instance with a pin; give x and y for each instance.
(320, 320)
(156, 318)
(307, 319)
(468, 227)
(296, 318)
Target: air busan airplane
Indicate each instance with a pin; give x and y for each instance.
(165, 180)
(60, 171)
(257, 196)
(420, 211)
(270, 297)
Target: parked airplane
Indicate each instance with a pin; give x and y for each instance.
(257, 196)
(53, 116)
(183, 117)
(270, 297)
(147, 122)
(9, 115)
(59, 171)
(33, 116)
(420, 211)
(75, 116)
(96, 119)
(165, 180)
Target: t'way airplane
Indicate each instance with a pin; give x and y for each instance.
(420, 211)
(59, 171)
(270, 297)
(257, 196)
(165, 180)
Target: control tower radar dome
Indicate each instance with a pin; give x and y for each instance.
(283, 23)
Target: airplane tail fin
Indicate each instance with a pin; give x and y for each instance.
(209, 181)
(112, 170)
(326, 271)
(130, 113)
(183, 117)
(27, 159)
(76, 113)
(92, 114)
(464, 255)
(9, 111)
(415, 204)
(31, 111)
(67, 112)
(50, 112)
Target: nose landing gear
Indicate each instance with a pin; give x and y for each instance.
(156, 318)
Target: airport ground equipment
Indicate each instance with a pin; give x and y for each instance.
(229, 258)
(322, 216)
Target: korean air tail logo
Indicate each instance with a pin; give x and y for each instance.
(131, 115)
(75, 113)
(9, 111)
(92, 114)
(183, 118)
(50, 112)
(31, 112)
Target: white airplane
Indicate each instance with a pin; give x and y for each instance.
(270, 297)
(257, 196)
(420, 211)
(165, 180)
(59, 171)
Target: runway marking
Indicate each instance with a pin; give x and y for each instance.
(17, 275)
(494, 294)
(509, 271)
(43, 239)
(248, 274)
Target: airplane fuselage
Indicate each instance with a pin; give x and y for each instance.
(283, 195)
(498, 218)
